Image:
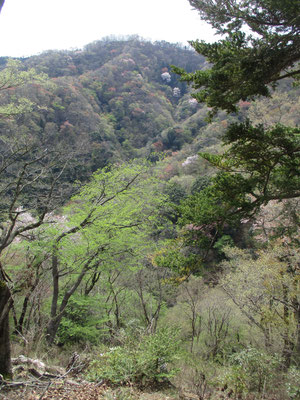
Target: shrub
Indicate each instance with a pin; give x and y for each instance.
(293, 383)
(81, 321)
(147, 360)
(252, 371)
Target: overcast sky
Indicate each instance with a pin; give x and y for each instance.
(32, 26)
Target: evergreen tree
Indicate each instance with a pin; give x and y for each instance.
(262, 164)
(243, 65)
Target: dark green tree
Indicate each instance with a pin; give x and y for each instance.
(259, 164)
(245, 65)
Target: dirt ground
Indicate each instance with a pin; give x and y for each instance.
(64, 390)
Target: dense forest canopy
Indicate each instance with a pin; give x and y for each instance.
(119, 98)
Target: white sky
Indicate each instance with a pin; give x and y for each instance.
(31, 26)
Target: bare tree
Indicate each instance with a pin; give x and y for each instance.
(191, 294)
(153, 291)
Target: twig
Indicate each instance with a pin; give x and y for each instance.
(44, 392)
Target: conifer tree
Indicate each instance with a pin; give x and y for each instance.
(244, 65)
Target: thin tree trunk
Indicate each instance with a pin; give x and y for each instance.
(296, 307)
(142, 300)
(20, 323)
(19, 327)
(193, 323)
(53, 323)
(91, 284)
(5, 351)
(288, 344)
(297, 346)
(55, 280)
(56, 319)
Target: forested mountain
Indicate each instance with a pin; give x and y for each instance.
(147, 230)
(119, 99)
(114, 99)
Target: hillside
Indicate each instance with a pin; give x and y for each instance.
(114, 99)
(118, 100)
(128, 258)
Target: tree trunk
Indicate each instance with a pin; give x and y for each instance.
(91, 284)
(296, 307)
(5, 352)
(52, 329)
(56, 315)
(19, 325)
(288, 344)
(297, 317)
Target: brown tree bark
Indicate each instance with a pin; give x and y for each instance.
(5, 350)
(57, 313)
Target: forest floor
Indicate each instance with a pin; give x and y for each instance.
(70, 390)
(34, 380)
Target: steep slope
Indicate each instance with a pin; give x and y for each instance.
(118, 100)
(113, 99)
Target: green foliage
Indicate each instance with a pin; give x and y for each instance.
(13, 75)
(120, 205)
(174, 138)
(260, 166)
(106, 226)
(173, 257)
(11, 78)
(175, 192)
(265, 288)
(157, 353)
(110, 96)
(243, 66)
(111, 100)
(265, 162)
(81, 322)
(206, 214)
(270, 157)
(144, 359)
(200, 183)
(223, 242)
(30, 166)
(293, 383)
(252, 371)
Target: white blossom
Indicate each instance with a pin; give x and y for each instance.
(190, 160)
(165, 76)
(193, 102)
(176, 92)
